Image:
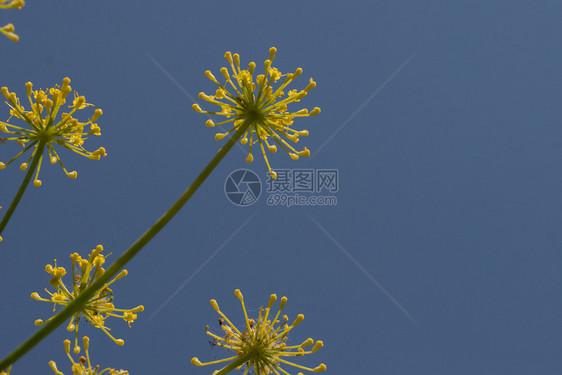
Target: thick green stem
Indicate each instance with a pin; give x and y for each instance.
(232, 365)
(84, 296)
(31, 169)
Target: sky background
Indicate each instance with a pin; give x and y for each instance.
(443, 253)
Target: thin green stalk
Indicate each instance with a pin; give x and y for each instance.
(84, 296)
(24, 184)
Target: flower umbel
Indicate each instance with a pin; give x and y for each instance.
(7, 4)
(8, 30)
(79, 368)
(44, 130)
(258, 107)
(262, 344)
(99, 307)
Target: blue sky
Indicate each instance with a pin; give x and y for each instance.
(442, 254)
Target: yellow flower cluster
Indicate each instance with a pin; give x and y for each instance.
(79, 368)
(7, 4)
(258, 107)
(43, 130)
(258, 114)
(99, 307)
(8, 30)
(262, 344)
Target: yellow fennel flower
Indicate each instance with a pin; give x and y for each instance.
(8, 30)
(99, 307)
(260, 344)
(7, 372)
(7, 4)
(44, 130)
(84, 366)
(257, 106)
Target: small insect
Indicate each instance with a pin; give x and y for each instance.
(240, 101)
(213, 343)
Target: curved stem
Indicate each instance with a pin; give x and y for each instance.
(24, 184)
(84, 296)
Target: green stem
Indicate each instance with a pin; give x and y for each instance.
(84, 296)
(31, 169)
(232, 365)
